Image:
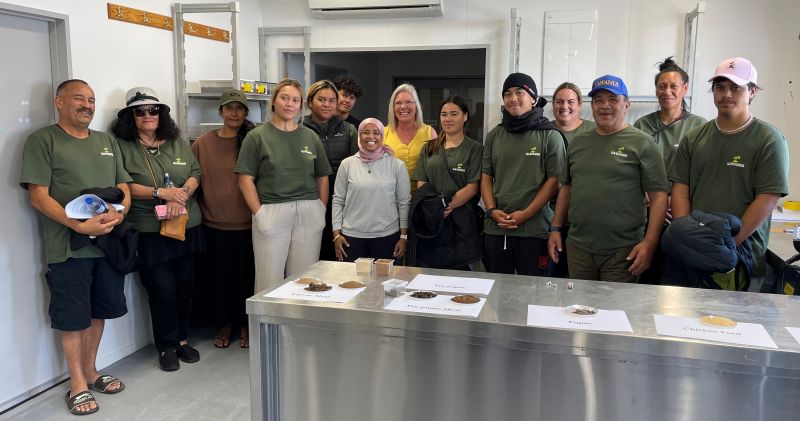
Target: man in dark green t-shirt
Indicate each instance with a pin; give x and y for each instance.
(735, 164)
(58, 162)
(607, 177)
(522, 158)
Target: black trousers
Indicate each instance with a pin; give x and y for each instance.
(231, 266)
(520, 255)
(560, 269)
(378, 248)
(169, 293)
(326, 249)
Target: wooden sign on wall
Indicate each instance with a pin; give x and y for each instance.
(154, 20)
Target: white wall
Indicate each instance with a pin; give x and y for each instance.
(112, 56)
(632, 37)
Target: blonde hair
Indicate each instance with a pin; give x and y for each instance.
(283, 84)
(406, 87)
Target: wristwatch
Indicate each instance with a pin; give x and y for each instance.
(489, 212)
(155, 192)
(404, 237)
(555, 229)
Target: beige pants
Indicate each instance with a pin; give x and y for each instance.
(286, 239)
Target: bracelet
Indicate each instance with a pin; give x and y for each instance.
(404, 237)
(554, 229)
(337, 237)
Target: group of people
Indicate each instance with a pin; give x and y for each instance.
(276, 198)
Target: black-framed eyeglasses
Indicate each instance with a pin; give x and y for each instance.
(153, 111)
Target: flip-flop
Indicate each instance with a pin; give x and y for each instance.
(244, 342)
(103, 383)
(222, 341)
(80, 399)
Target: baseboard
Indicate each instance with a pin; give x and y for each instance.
(102, 363)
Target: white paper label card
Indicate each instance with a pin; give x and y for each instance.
(795, 332)
(451, 284)
(750, 334)
(294, 291)
(441, 304)
(558, 317)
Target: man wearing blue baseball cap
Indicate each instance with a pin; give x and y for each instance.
(607, 177)
(735, 164)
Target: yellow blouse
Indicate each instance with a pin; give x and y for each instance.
(409, 154)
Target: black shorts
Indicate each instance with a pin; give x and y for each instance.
(82, 290)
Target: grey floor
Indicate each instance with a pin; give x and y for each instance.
(215, 388)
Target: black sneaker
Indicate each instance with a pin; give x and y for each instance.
(187, 354)
(168, 360)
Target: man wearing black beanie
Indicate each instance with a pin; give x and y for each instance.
(522, 158)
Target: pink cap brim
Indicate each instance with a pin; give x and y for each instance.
(733, 78)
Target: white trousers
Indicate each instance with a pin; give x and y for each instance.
(286, 239)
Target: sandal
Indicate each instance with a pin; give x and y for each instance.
(244, 342)
(81, 398)
(103, 383)
(222, 341)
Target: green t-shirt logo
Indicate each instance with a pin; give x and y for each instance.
(459, 167)
(106, 152)
(306, 151)
(178, 161)
(735, 162)
(533, 152)
(620, 152)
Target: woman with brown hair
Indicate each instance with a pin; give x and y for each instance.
(567, 102)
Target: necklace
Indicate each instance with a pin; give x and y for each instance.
(151, 147)
(736, 130)
(369, 166)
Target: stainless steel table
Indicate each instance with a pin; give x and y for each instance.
(359, 362)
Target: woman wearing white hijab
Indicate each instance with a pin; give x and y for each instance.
(371, 198)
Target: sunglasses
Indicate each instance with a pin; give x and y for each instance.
(140, 112)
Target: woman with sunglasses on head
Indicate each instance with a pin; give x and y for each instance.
(339, 138)
(153, 153)
(228, 262)
(370, 200)
(567, 102)
(406, 133)
(283, 175)
(451, 165)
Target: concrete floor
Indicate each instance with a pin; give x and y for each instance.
(215, 388)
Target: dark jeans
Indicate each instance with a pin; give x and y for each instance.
(521, 255)
(169, 292)
(378, 248)
(231, 270)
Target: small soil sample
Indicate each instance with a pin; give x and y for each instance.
(351, 284)
(318, 287)
(424, 294)
(383, 267)
(306, 281)
(579, 310)
(465, 299)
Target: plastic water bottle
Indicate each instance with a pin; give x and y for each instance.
(168, 181)
(96, 206)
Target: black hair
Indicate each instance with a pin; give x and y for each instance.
(750, 86)
(348, 84)
(246, 126)
(63, 85)
(124, 127)
(669, 65)
(461, 102)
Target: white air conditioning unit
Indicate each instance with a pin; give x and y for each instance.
(370, 9)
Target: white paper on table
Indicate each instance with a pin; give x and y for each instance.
(557, 317)
(751, 334)
(441, 304)
(77, 208)
(452, 284)
(294, 291)
(795, 332)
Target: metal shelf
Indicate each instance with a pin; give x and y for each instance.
(215, 95)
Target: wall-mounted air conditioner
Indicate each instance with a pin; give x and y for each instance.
(367, 9)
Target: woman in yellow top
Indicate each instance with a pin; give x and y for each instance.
(406, 133)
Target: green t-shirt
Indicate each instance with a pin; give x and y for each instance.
(463, 162)
(519, 164)
(173, 157)
(609, 176)
(285, 165)
(586, 126)
(725, 172)
(67, 165)
(667, 137)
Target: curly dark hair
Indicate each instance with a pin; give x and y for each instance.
(346, 83)
(124, 127)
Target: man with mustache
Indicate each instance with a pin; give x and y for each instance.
(58, 162)
(608, 175)
(735, 164)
